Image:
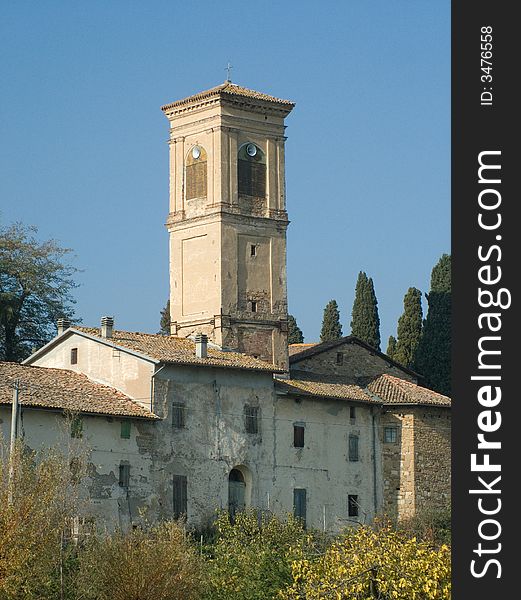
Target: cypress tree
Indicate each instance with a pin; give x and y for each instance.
(365, 321)
(331, 327)
(164, 323)
(409, 328)
(434, 351)
(295, 335)
(391, 346)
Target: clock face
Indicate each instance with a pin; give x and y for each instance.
(251, 149)
(196, 152)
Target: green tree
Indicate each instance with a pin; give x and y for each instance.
(252, 557)
(295, 335)
(434, 350)
(36, 286)
(391, 346)
(409, 328)
(164, 323)
(365, 321)
(331, 327)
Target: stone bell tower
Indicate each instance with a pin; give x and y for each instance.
(227, 220)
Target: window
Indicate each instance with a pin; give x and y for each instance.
(299, 504)
(180, 499)
(352, 413)
(298, 436)
(125, 429)
(74, 356)
(353, 448)
(196, 177)
(339, 358)
(77, 426)
(124, 474)
(251, 171)
(251, 419)
(253, 250)
(390, 435)
(253, 306)
(352, 505)
(178, 415)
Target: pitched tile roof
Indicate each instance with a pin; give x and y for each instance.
(313, 349)
(393, 390)
(295, 348)
(228, 89)
(179, 350)
(324, 389)
(61, 389)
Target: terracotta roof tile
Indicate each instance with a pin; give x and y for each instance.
(393, 390)
(179, 350)
(62, 389)
(295, 348)
(228, 89)
(323, 389)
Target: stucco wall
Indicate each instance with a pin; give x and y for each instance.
(322, 466)
(104, 449)
(102, 363)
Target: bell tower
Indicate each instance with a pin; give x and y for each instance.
(227, 220)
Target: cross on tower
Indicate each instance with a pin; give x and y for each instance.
(228, 70)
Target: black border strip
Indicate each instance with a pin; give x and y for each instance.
(484, 122)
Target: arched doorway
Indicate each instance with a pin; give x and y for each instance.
(236, 492)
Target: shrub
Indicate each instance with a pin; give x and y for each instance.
(155, 564)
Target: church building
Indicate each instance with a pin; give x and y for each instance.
(221, 413)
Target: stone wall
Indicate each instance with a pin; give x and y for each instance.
(417, 466)
(350, 362)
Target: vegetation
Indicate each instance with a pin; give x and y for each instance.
(164, 323)
(158, 563)
(295, 335)
(251, 559)
(369, 563)
(45, 554)
(35, 290)
(365, 321)
(331, 327)
(433, 359)
(409, 329)
(391, 347)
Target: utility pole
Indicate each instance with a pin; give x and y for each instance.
(14, 435)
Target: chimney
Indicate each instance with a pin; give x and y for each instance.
(201, 345)
(63, 324)
(107, 323)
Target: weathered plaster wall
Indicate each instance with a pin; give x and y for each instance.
(104, 364)
(322, 466)
(104, 448)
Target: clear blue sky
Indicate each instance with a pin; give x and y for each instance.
(84, 154)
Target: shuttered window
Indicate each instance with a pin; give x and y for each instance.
(196, 173)
(125, 429)
(251, 172)
(353, 448)
(124, 474)
(178, 415)
(299, 504)
(251, 419)
(180, 498)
